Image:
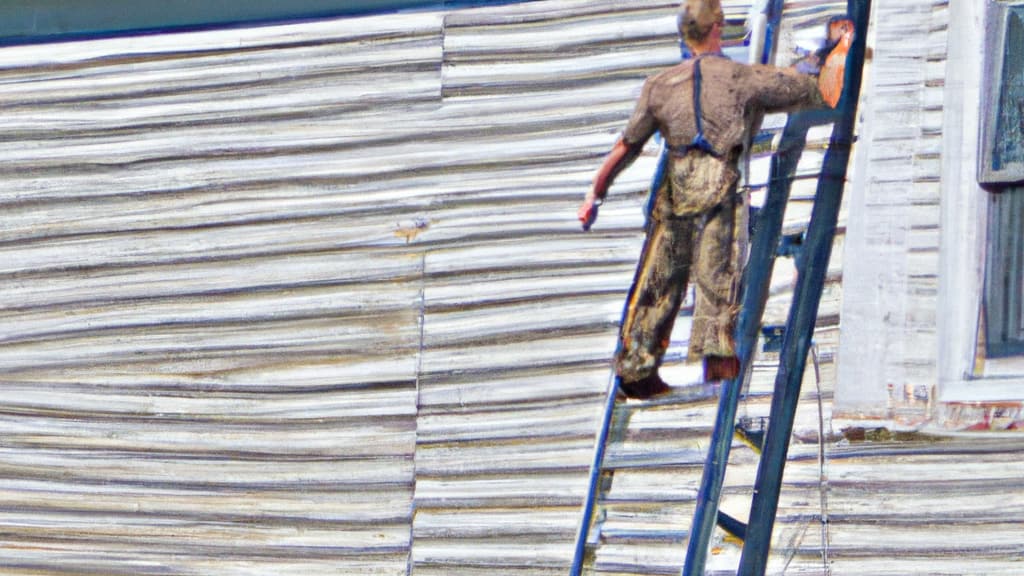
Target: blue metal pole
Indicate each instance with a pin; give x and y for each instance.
(774, 12)
(803, 313)
(706, 514)
(595, 478)
(597, 464)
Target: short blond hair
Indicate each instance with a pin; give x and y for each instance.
(697, 17)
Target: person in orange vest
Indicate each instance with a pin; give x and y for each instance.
(706, 109)
(833, 69)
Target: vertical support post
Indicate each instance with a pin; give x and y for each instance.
(803, 313)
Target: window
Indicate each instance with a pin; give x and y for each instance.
(1002, 154)
(1004, 275)
(1001, 171)
(972, 195)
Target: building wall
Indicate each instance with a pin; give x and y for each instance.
(270, 291)
(888, 351)
(312, 298)
(211, 329)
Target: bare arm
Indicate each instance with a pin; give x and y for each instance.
(642, 126)
(783, 89)
(622, 155)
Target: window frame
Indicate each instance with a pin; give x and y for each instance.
(997, 19)
(964, 217)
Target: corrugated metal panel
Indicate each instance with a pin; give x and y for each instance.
(312, 298)
(211, 330)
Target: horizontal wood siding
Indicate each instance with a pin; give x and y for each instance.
(891, 289)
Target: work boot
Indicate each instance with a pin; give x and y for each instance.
(644, 388)
(721, 368)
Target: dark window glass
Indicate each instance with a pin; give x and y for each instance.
(1004, 274)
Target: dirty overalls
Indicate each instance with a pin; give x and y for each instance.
(697, 220)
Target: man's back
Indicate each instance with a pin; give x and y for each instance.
(733, 96)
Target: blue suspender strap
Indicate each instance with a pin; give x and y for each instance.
(699, 142)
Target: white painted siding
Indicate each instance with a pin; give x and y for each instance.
(889, 344)
(264, 287)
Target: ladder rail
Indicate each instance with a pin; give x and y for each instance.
(601, 441)
(596, 469)
(800, 325)
(754, 297)
(803, 313)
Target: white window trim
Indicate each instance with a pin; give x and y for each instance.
(964, 217)
(984, 390)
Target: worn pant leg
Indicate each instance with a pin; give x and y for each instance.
(716, 275)
(657, 294)
(717, 270)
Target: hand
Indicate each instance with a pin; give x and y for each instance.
(809, 64)
(587, 213)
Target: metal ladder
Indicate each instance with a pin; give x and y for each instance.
(812, 268)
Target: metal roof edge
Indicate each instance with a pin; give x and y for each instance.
(44, 21)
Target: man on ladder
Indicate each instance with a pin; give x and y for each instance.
(706, 109)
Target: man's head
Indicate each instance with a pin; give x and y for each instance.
(839, 27)
(697, 18)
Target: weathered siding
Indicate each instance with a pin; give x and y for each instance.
(311, 299)
(890, 336)
(210, 330)
(264, 287)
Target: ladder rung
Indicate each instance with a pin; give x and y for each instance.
(731, 525)
(682, 497)
(679, 396)
(627, 459)
(639, 534)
